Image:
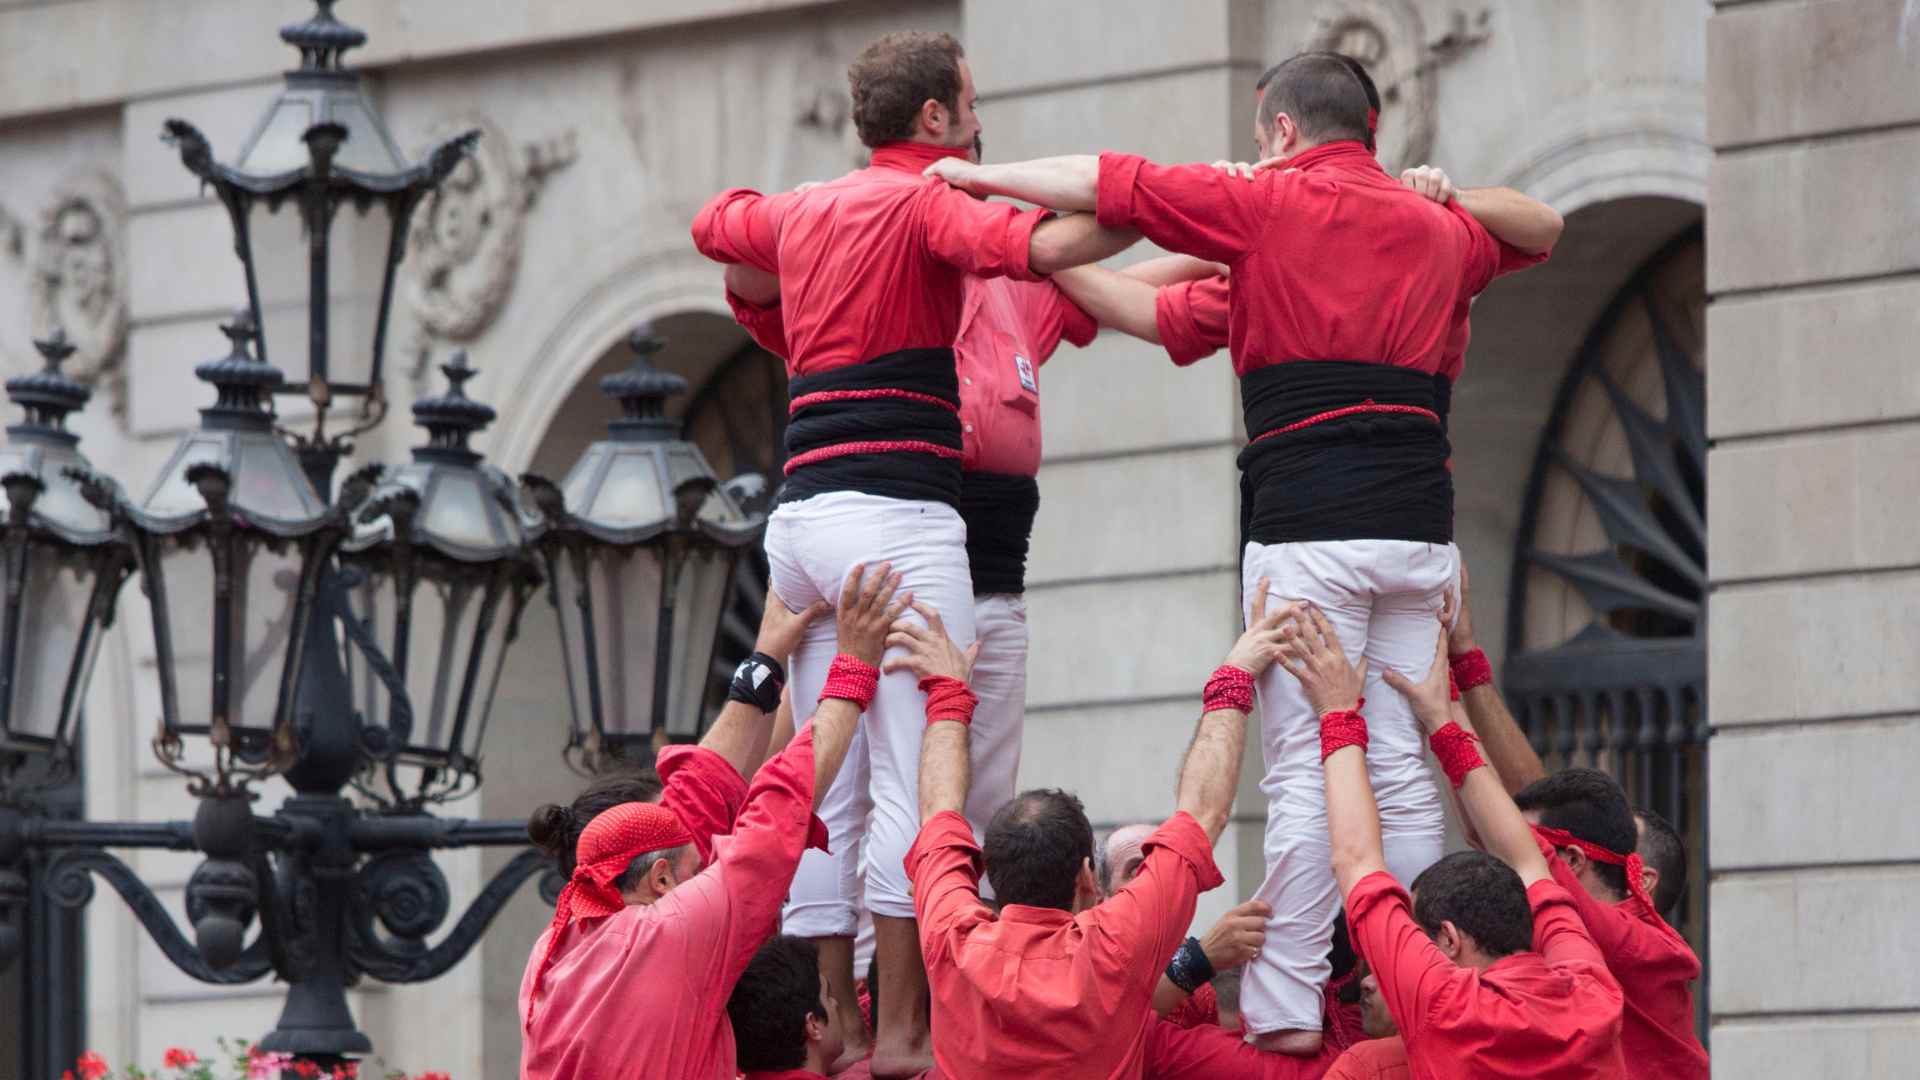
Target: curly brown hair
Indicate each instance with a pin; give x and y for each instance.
(897, 74)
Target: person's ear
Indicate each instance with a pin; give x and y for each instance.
(816, 1028)
(1085, 887)
(660, 877)
(1286, 135)
(1575, 859)
(1449, 940)
(1649, 879)
(934, 118)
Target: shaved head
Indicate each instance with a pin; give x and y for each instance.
(1118, 859)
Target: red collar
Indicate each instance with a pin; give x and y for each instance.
(1035, 916)
(914, 157)
(1344, 152)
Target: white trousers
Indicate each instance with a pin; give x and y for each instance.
(872, 811)
(1383, 598)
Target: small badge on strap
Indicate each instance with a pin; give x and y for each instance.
(1025, 367)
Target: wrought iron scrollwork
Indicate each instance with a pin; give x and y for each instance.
(69, 883)
(408, 961)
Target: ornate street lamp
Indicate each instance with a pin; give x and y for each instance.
(231, 542)
(64, 564)
(640, 543)
(440, 573)
(316, 275)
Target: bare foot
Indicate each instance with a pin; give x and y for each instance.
(1297, 1043)
(902, 1063)
(854, 1053)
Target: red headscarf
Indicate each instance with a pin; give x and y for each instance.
(1636, 885)
(607, 846)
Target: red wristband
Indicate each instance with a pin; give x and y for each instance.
(851, 679)
(1458, 750)
(948, 699)
(1229, 688)
(1470, 669)
(1342, 728)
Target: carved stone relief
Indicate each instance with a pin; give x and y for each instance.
(79, 280)
(463, 245)
(1390, 38)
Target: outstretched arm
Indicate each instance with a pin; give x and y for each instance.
(945, 769)
(1508, 750)
(867, 609)
(741, 731)
(1313, 655)
(1074, 240)
(752, 284)
(1520, 222)
(1211, 771)
(1062, 183)
(1172, 270)
(1116, 300)
(1488, 806)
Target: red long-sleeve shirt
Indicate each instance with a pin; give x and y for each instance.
(1655, 969)
(674, 962)
(1331, 259)
(1550, 1012)
(703, 790)
(1008, 330)
(1374, 1059)
(1037, 991)
(1193, 316)
(873, 262)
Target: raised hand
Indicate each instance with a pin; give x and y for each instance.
(782, 628)
(1260, 646)
(928, 649)
(868, 610)
(955, 171)
(1241, 169)
(1430, 697)
(1312, 654)
(1430, 182)
(1238, 936)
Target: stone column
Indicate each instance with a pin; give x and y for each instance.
(1813, 247)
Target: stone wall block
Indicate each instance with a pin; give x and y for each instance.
(1808, 504)
(1813, 795)
(1809, 213)
(1833, 647)
(1122, 640)
(1815, 941)
(1122, 394)
(1150, 513)
(1015, 45)
(1837, 355)
(1789, 70)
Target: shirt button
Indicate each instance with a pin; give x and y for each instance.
(969, 429)
(967, 381)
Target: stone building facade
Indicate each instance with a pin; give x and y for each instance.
(607, 122)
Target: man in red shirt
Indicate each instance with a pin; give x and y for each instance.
(641, 930)
(1596, 846)
(1008, 331)
(1057, 983)
(785, 1026)
(872, 269)
(1345, 289)
(1452, 961)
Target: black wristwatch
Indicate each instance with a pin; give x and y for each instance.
(758, 682)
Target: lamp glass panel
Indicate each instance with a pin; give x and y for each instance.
(279, 148)
(357, 260)
(371, 604)
(566, 592)
(705, 577)
(631, 495)
(58, 588)
(456, 510)
(268, 481)
(265, 595)
(626, 584)
(186, 572)
(490, 660)
(282, 269)
(446, 610)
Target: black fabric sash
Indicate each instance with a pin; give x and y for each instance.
(1365, 476)
(894, 474)
(999, 509)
